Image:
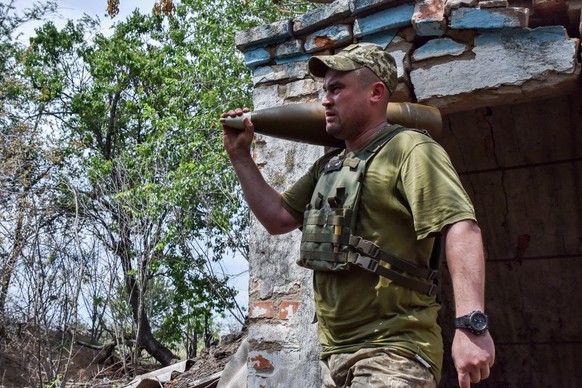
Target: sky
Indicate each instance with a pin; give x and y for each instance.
(75, 9)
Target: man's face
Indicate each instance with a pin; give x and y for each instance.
(345, 102)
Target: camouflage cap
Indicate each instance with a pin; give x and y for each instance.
(356, 56)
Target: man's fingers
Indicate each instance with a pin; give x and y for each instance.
(239, 111)
(248, 123)
(235, 112)
(476, 376)
(464, 380)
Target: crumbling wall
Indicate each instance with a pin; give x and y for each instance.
(457, 56)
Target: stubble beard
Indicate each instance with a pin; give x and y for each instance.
(335, 128)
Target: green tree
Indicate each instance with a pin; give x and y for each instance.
(138, 112)
(22, 163)
(38, 285)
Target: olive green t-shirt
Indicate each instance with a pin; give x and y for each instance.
(410, 191)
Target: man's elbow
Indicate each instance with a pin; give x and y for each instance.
(280, 228)
(280, 224)
(463, 227)
(277, 221)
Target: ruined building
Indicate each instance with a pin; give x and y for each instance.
(506, 78)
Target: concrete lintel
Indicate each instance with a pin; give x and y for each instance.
(503, 60)
(531, 90)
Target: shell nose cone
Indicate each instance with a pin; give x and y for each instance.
(235, 122)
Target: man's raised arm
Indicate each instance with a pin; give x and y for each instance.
(263, 200)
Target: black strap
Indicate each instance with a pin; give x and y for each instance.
(369, 264)
(372, 250)
(437, 253)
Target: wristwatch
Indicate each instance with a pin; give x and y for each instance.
(476, 322)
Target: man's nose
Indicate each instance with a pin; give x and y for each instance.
(326, 101)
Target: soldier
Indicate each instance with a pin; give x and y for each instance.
(370, 217)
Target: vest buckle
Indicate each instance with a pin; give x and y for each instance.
(433, 290)
(365, 246)
(367, 263)
(432, 274)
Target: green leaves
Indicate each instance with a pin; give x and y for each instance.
(136, 114)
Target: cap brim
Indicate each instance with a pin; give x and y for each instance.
(318, 66)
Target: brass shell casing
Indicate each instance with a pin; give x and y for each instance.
(305, 122)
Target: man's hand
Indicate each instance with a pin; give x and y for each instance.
(237, 141)
(473, 355)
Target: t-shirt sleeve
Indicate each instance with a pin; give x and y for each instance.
(433, 189)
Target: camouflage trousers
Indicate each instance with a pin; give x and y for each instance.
(376, 367)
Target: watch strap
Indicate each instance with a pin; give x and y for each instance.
(464, 322)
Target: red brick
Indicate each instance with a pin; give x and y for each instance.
(260, 363)
(261, 309)
(288, 309)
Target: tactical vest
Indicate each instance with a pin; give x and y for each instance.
(328, 242)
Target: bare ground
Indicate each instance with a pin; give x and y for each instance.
(85, 367)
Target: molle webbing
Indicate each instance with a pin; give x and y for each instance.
(328, 243)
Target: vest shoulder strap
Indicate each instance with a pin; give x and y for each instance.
(370, 260)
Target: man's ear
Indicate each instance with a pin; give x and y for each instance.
(379, 91)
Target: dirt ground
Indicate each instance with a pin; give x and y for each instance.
(18, 361)
(209, 361)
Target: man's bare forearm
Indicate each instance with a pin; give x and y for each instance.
(263, 200)
(466, 262)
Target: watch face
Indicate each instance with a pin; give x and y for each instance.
(479, 321)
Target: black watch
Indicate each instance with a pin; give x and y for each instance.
(476, 322)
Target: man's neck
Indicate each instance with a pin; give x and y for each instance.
(364, 137)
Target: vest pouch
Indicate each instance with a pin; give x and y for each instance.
(325, 238)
